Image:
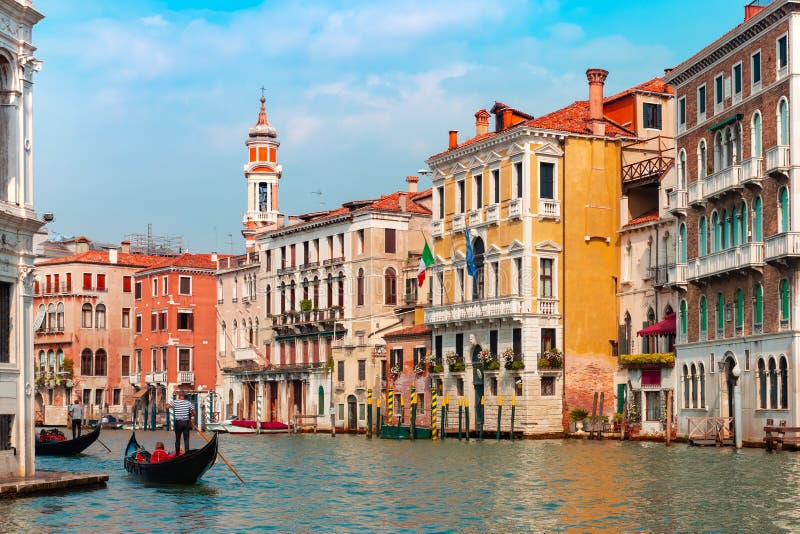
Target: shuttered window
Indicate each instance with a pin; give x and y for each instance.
(87, 280)
(5, 322)
(126, 284)
(390, 242)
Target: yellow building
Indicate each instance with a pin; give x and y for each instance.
(539, 198)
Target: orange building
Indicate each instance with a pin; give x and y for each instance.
(175, 330)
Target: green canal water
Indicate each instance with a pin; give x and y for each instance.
(305, 483)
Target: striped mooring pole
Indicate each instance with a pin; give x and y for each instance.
(444, 410)
(412, 427)
(400, 417)
(466, 417)
(390, 406)
(513, 413)
(479, 413)
(499, 414)
(259, 401)
(379, 422)
(434, 405)
(460, 416)
(369, 414)
(209, 411)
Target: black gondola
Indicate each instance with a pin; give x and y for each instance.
(184, 469)
(68, 447)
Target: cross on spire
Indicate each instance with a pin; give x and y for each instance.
(262, 91)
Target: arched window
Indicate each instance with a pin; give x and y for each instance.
(42, 360)
(100, 361)
(682, 244)
(773, 385)
(100, 316)
(329, 290)
(292, 296)
(283, 298)
(702, 159)
(686, 387)
(86, 362)
(694, 386)
(758, 234)
(220, 293)
(305, 289)
(60, 317)
(703, 317)
(716, 231)
(719, 157)
(255, 333)
(51, 317)
(784, 377)
(223, 337)
(51, 360)
(734, 225)
(321, 401)
(755, 135)
(720, 315)
(683, 318)
(725, 223)
(390, 286)
(783, 122)
(783, 210)
(360, 288)
(702, 237)
(250, 331)
(42, 311)
(701, 372)
(739, 311)
(86, 315)
(742, 223)
(478, 280)
(682, 170)
(762, 385)
(316, 292)
(235, 290)
(758, 309)
(340, 289)
(60, 360)
(269, 300)
(785, 303)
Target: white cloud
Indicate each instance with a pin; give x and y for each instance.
(565, 31)
(154, 20)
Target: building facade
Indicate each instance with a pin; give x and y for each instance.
(18, 224)
(738, 348)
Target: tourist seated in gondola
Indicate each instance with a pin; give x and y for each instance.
(52, 434)
(159, 454)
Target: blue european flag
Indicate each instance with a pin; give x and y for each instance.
(473, 272)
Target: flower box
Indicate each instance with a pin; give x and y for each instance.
(492, 366)
(515, 365)
(457, 367)
(666, 359)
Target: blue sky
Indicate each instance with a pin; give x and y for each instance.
(142, 108)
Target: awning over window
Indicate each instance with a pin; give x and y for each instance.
(723, 122)
(665, 327)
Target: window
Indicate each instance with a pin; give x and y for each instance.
(782, 55)
(360, 241)
(154, 281)
(390, 282)
(783, 122)
(100, 316)
(546, 176)
(773, 384)
(548, 386)
(184, 285)
(755, 69)
(739, 315)
(546, 278)
(682, 256)
(340, 370)
(496, 186)
(757, 227)
(164, 358)
(495, 267)
(755, 132)
(87, 280)
(86, 362)
(340, 289)
(653, 399)
(736, 74)
(651, 114)
(126, 284)
(154, 321)
(117, 396)
(138, 294)
(720, 315)
(784, 301)
(703, 317)
(162, 320)
(440, 200)
(360, 288)
(185, 320)
(719, 94)
(138, 323)
(126, 366)
(478, 185)
(518, 273)
(87, 394)
(702, 159)
(783, 378)
(164, 286)
(516, 342)
(462, 202)
(783, 210)
(100, 361)
(701, 103)
(60, 317)
(493, 342)
(758, 308)
(98, 397)
(6, 424)
(682, 113)
(518, 179)
(683, 319)
(362, 370)
(460, 347)
(86, 315)
(390, 244)
(184, 359)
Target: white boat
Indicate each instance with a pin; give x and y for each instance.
(228, 427)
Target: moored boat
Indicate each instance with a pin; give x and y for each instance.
(184, 469)
(66, 447)
(241, 426)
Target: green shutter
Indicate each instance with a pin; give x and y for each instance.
(759, 305)
(621, 389)
(703, 314)
(720, 312)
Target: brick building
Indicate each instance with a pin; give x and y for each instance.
(737, 169)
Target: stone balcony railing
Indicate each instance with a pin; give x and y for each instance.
(751, 171)
(156, 377)
(778, 159)
(475, 217)
(723, 181)
(245, 354)
(135, 379)
(782, 246)
(547, 306)
(696, 197)
(185, 377)
(515, 208)
(493, 214)
(458, 222)
(437, 227)
(741, 257)
(678, 201)
(476, 310)
(549, 208)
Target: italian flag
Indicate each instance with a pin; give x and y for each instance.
(424, 262)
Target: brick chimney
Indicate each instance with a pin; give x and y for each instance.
(597, 78)
(112, 256)
(403, 203)
(453, 139)
(125, 247)
(481, 122)
(412, 183)
(751, 10)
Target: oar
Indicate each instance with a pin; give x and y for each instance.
(103, 444)
(219, 453)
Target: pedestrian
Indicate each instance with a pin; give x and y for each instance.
(75, 412)
(183, 410)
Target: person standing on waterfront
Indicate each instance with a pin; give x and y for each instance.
(75, 412)
(183, 410)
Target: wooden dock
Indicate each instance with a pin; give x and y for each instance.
(47, 482)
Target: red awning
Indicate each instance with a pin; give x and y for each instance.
(665, 327)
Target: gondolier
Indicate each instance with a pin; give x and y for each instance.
(75, 412)
(183, 410)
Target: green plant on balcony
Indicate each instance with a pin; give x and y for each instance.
(516, 365)
(395, 371)
(437, 368)
(552, 358)
(656, 358)
(419, 368)
(306, 305)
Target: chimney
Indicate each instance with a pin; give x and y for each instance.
(453, 139)
(81, 245)
(403, 207)
(481, 122)
(751, 10)
(597, 78)
(214, 257)
(412, 183)
(125, 247)
(112, 256)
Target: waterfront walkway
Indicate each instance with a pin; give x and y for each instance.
(48, 481)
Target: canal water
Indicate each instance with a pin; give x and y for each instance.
(305, 483)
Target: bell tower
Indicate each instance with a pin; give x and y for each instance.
(262, 173)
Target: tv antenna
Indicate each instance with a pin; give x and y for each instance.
(318, 192)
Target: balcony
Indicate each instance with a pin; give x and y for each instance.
(135, 379)
(778, 160)
(696, 197)
(782, 246)
(287, 270)
(245, 354)
(676, 274)
(361, 385)
(547, 306)
(723, 181)
(475, 217)
(437, 228)
(678, 201)
(339, 385)
(493, 214)
(333, 261)
(474, 311)
(458, 222)
(751, 171)
(157, 377)
(515, 208)
(309, 265)
(549, 208)
(744, 256)
(185, 377)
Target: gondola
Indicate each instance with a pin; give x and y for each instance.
(184, 469)
(68, 447)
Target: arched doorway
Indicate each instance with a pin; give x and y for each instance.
(352, 412)
(477, 381)
(726, 402)
(478, 250)
(39, 409)
(321, 401)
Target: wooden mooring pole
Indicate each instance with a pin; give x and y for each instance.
(594, 414)
(669, 418)
(369, 414)
(499, 414)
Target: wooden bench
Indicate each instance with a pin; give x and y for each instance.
(300, 425)
(776, 435)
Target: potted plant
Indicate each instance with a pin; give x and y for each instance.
(453, 362)
(552, 358)
(575, 416)
(508, 357)
(305, 308)
(634, 417)
(419, 368)
(489, 360)
(617, 421)
(395, 371)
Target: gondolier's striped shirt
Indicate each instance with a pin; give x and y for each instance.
(181, 408)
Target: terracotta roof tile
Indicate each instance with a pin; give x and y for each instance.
(190, 261)
(101, 257)
(416, 330)
(650, 216)
(655, 85)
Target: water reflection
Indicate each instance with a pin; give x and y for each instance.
(349, 484)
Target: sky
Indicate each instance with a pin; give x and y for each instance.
(141, 109)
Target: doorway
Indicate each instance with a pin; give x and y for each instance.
(352, 413)
(477, 382)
